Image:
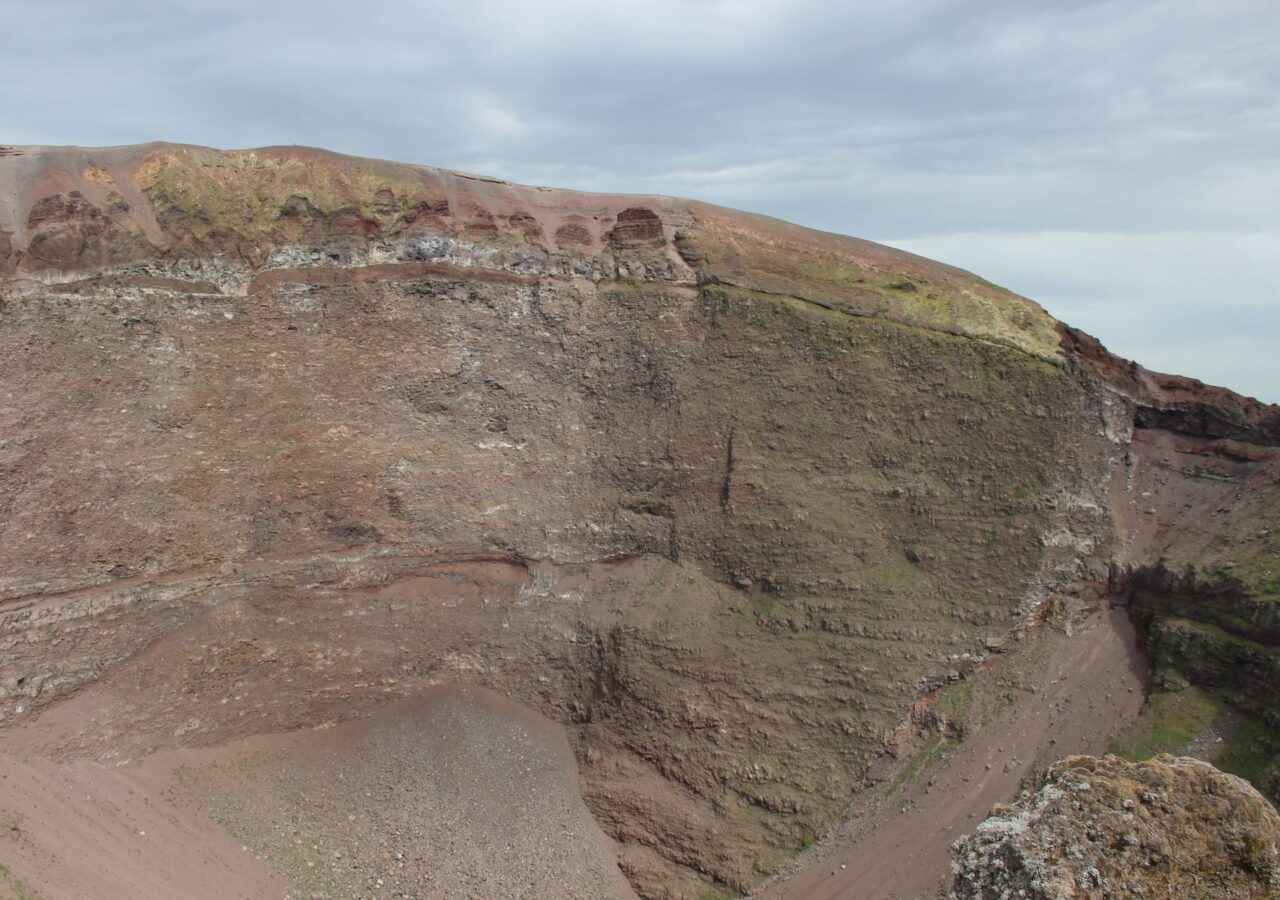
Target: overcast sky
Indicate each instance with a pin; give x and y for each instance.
(1118, 162)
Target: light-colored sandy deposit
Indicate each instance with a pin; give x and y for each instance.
(456, 793)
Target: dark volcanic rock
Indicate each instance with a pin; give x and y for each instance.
(572, 234)
(637, 228)
(68, 231)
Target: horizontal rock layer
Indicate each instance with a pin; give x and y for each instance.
(288, 435)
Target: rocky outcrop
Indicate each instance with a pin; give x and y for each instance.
(67, 231)
(637, 228)
(6, 253)
(1107, 828)
(1238, 648)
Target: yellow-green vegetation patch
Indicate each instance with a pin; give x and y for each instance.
(923, 759)
(954, 701)
(895, 573)
(837, 271)
(1186, 642)
(1000, 374)
(715, 894)
(14, 888)
(764, 605)
(1259, 572)
(1003, 379)
(1249, 750)
(1169, 721)
(952, 706)
(243, 192)
(882, 284)
(1172, 720)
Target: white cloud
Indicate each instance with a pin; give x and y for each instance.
(498, 121)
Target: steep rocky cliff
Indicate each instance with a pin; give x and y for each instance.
(286, 435)
(1197, 559)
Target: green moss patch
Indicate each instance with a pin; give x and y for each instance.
(1169, 721)
(11, 886)
(1249, 751)
(925, 758)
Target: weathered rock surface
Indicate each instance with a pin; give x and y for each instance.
(1169, 827)
(286, 436)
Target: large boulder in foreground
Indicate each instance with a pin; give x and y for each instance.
(1110, 828)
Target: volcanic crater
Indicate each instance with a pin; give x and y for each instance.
(371, 529)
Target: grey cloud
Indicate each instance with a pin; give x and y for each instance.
(907, 122)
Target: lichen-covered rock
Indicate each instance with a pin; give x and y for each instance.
(1167, 827)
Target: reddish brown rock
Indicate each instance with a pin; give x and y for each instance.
(309, 434)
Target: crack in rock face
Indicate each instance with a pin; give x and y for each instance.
(288, 438)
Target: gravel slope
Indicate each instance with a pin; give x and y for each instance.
(454, 793)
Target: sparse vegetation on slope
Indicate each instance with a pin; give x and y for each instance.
(298, 435)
